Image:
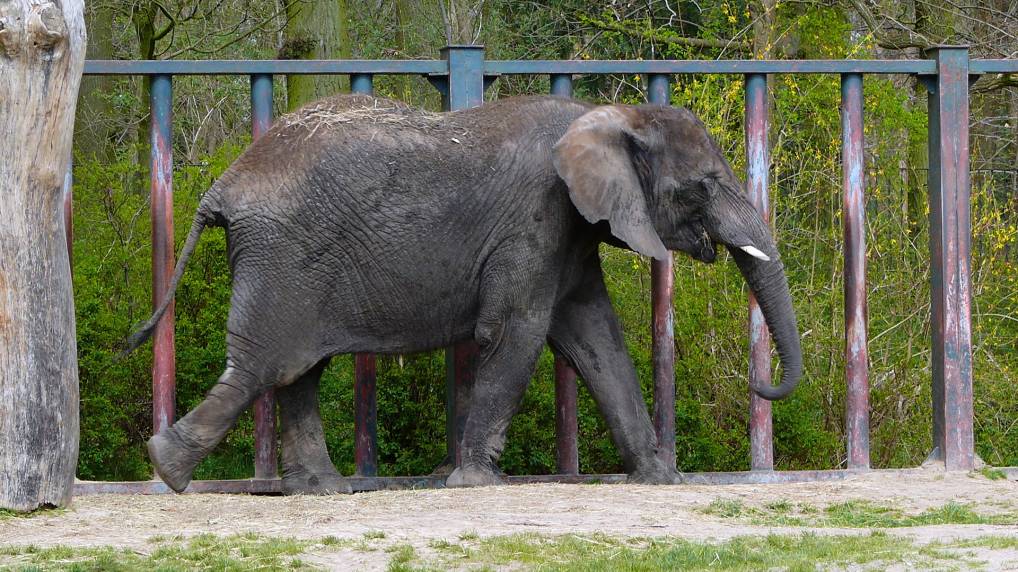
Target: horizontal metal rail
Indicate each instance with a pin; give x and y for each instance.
(993, 66)
(461, 76)
(510, 67)
(252, 67)
(709, 66)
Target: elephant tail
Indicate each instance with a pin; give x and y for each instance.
(203, 218)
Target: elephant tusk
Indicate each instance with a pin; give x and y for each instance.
(754, 252)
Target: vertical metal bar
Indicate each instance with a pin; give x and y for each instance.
(562, 84)
(662, 318)
(465, 89)
(853, 214)
(365, 424)
(466, 76)
(950, 243)
(266, 452)
(69, 212)
(757, 174)
(164, 359)
(365, 416)
(567, 453)
(361, 83)
(566, 424)
(461, 361)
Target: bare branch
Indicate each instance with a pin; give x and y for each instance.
(898, 38)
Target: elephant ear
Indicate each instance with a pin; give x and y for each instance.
(595, 159)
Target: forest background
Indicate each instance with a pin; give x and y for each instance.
(212, 124)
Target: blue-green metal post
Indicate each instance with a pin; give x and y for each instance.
(361, 83)
(465, 89)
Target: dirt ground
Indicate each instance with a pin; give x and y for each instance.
(417, 517)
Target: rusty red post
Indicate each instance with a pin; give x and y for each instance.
(662, 319)
(950, 243)
(857, 403)
(461, 362)
(266, 451)
(567, 454)
(365, 424)
(566, 424)
(164, 359)
(761, 443)
(365, 453)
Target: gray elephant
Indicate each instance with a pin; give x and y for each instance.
(358, 224)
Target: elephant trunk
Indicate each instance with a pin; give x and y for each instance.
(770, 287)
(733, 221)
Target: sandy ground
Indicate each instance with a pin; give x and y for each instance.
(417, 517)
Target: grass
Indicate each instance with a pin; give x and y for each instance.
(992, 473)
(168, 554)
(568, 553)
(852, 514)
(6, 513)
(572, 553)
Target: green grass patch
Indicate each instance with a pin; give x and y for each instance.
(6, 513)
(169, 554)
(992, 473)
(606, 553)
(852, 514)
(567, 553)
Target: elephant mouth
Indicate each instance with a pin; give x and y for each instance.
(706, 249)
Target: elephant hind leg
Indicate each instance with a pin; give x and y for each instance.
(307, 468)
(177, 450)
(508, 357)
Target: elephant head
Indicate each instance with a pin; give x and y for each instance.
(659, 179)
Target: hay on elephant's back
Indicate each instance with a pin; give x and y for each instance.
(333, 112)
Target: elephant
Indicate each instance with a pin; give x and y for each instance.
(359, 224)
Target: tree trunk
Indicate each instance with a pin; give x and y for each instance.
(93, 129)
(462, 21)
(143, 16)
(43, 52)
(315, 30)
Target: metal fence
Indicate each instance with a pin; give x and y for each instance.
(461, 76)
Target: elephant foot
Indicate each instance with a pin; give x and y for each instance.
(474, 476)
(170, 460)
(658, 474)
(316, 483)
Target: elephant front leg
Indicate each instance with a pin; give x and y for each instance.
(177, 450)
(307, 468)
(509, 351)
(586, 331)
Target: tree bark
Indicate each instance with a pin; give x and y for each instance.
(143, 16)
(42, 52)
(462, 21)
(93, 129)
(315, 29)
